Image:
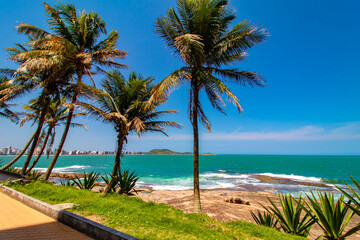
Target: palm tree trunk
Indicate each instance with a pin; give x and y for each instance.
(66, 130)
(20, 154)
(37, 135)
(41, 151)
(62, 141)
(197, 203)
(116, 168)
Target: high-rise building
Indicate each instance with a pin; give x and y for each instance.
(6, 150)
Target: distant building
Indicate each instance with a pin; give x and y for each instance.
(13, 151)
(6, 150)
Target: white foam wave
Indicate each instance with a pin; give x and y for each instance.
(170, 187)
(40, 169)
(209, 180)
(73, 168)
(292, 176)
(223, 175)
(219, 180)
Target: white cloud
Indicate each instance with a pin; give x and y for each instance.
(348, 131)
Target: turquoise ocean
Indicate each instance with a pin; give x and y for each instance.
(174, 172)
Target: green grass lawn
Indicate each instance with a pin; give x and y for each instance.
(146, 220)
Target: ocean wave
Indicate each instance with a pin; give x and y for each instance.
(292, 176)
(220, 180)
(40, 169)
(223, 175)
(170, 187)
(73, 168)
(209, 180)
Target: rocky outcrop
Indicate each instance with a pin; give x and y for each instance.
(236, 200)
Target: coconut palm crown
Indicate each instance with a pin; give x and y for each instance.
(199, 32)
(72, 44)
(5, 111)
(124, 104)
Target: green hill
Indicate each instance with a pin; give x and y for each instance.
(165, 152)
(169, 152)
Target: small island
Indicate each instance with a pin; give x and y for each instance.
(170, 152)
(165, 152)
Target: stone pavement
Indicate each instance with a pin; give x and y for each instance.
(18, 221)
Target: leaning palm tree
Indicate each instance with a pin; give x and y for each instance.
(75, 44)
(124, 105)
(34, 114)
(199, 31)
(56, 116)
(41, 74)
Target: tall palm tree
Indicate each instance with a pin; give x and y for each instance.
(124, 104)
(30, 76)
(199, 31)
(75, 44)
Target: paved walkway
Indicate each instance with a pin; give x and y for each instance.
(18, 221)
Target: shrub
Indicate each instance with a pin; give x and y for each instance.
(13, 169)
(355, 198)
(265, 219)
(126, 182)
(289, 218)
(331, 216)
(67, 183)
(106, 179)
(88, 182)
(33, 175)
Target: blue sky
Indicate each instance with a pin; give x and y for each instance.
(311, 64)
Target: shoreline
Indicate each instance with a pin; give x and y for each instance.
(214, 204)
(215, 201)
(263, 179)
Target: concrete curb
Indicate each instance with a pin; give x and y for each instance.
(81, 224)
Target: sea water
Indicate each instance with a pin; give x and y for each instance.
(174, 172)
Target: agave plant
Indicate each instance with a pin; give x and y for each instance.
(265, 219)
(331, 216)
(355, 198)
(107, 179)
(33, 175)
(13, 169)
(290, 218)
(126, 181)
(88, 182)
(67, 183)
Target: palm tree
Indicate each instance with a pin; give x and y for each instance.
(35, 109)
(5, 111)
(75, 44)
(200, 33)
(27, 78)
(56, 115)
(124, 104)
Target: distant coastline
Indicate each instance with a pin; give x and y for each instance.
(170, 152)
(14, 152)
